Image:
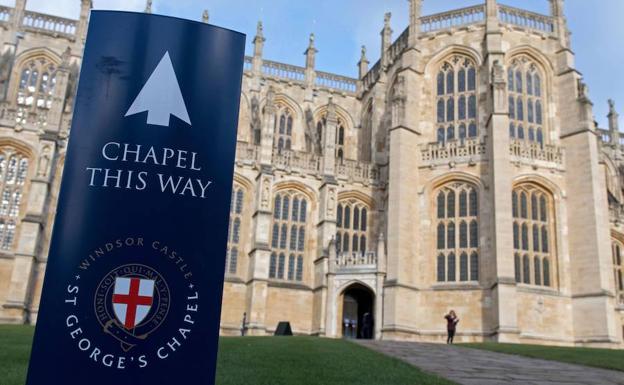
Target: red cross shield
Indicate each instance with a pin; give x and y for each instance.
(132, 300)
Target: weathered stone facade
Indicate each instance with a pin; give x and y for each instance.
(463, 170)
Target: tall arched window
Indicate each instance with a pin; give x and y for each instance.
(236, 223)
(352, 223)
(288, 234)
(526, 101)
(13, 178)
(618, 264)
(457, 232)
(341, 134)
(532, 227)
(340, 140)
(456, 99)
(283, 129)
(366, 134)
(37, 80)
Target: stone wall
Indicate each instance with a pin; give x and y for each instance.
(393, 163)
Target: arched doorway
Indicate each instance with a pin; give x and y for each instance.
(358, 312)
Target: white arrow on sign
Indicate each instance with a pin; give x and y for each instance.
(161, 96)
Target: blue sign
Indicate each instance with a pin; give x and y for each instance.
(133, 285)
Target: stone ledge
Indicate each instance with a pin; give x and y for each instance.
(539, 290)
(34, 218)
(14, 305)
(233, 279)
(393, 283)
(260, 246)
(457, 286)
(6, 255)
(289, 285)
(601, 293)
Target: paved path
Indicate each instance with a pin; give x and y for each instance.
(479, 367)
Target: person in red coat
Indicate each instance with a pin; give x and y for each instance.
(451, 325)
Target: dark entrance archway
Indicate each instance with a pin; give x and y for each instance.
(358, 307)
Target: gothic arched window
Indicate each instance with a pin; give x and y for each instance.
(352, 226)
(532, 227)
(13, 178)
(457, 99)
(457, 232)
(618, 264)
(526, 100)
(235, 230)
(341, 134)
(283, 129)
(35, 90)
(288, 236)
(340, 140)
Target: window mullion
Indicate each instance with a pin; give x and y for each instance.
(456, 101)
(457, 217)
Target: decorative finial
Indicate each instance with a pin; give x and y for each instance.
(259, 29)
(363, 55)
(387, 17)
(148, 6)
(205, 16)
(611, 106)
(311, 45)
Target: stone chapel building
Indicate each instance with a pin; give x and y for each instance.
(463, 170)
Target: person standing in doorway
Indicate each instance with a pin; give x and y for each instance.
(451, 325)
(367, 323)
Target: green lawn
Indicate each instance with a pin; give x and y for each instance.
(600, 358)
(15, 344)
(261, 361)
(308, 361)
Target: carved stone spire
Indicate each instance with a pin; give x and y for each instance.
(561, 25)
(611, 107)
(329, 139)
(415, 13)
(267, 129)
(363, 63)
(259, 40)
(386, 39)
(310, 53)
(256, 60)
(205, 16)
(85, 9)
(491, 16)
(556, 8)
(614, 128)
(491, 8)
(148, 6)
